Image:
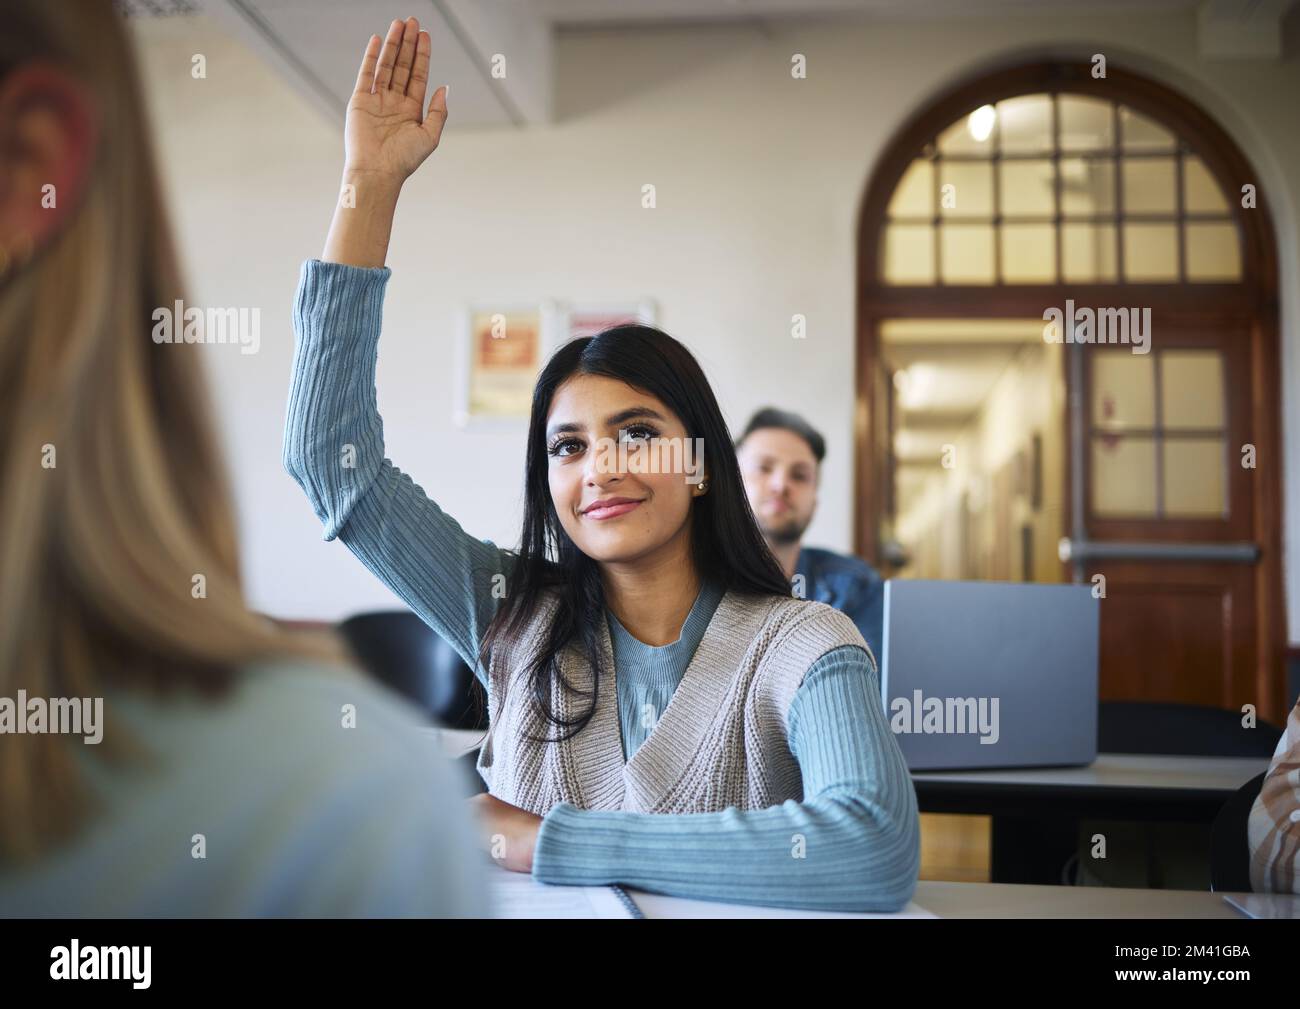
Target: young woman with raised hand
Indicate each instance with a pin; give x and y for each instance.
(663, 713)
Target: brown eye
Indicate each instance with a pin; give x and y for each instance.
(557, 448)
(637, 432)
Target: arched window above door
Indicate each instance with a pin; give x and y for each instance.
(1058, 187)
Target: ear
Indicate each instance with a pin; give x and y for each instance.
(48, 138)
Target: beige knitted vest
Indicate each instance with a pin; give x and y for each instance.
(721, 741)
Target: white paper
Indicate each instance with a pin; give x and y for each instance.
(518, 895)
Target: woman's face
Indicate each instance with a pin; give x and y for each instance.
(606, 440)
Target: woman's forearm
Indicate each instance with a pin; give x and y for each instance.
(363, 219)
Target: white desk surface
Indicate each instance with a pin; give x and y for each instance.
(1012, 900)
(989, 900)
(1121, 770)
(516, 895)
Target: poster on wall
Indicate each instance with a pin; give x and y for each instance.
(502, 349)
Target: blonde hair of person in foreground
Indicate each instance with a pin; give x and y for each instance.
(113, 494)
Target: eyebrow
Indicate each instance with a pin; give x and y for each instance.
(610, 421)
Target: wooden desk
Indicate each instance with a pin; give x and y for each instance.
(1036, 811)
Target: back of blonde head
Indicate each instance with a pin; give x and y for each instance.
(113, 500)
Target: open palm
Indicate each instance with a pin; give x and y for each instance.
(388, 130)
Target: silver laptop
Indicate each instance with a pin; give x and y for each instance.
(990, 674)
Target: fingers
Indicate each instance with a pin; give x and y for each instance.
(366, 75)
(405, 56)
(436, 118)
(420, 69)
(388, 56)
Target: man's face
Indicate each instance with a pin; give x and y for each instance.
(780, 473)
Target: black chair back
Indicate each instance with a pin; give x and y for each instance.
(1229, 847)
(1190, 730)
(401, 651)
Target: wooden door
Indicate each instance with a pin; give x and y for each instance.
(1163, 513)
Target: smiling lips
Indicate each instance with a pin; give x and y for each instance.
(610, 508)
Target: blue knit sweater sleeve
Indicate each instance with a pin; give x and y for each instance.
(334, 448)
(852, 844)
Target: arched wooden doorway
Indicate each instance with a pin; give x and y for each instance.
(1171, 493)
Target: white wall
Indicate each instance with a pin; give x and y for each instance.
(759, 179)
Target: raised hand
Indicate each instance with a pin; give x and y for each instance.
(389, 132)
(388, 135)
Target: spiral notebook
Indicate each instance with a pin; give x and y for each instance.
(518, 895)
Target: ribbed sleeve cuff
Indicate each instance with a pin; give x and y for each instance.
(317, 273)
(571, 850)
(339, 309)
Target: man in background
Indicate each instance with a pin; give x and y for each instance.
(780, 457)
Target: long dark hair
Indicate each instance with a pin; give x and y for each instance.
(726, 544)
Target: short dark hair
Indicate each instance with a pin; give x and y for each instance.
(770, 416)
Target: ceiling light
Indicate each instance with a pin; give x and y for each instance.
(980, 122)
